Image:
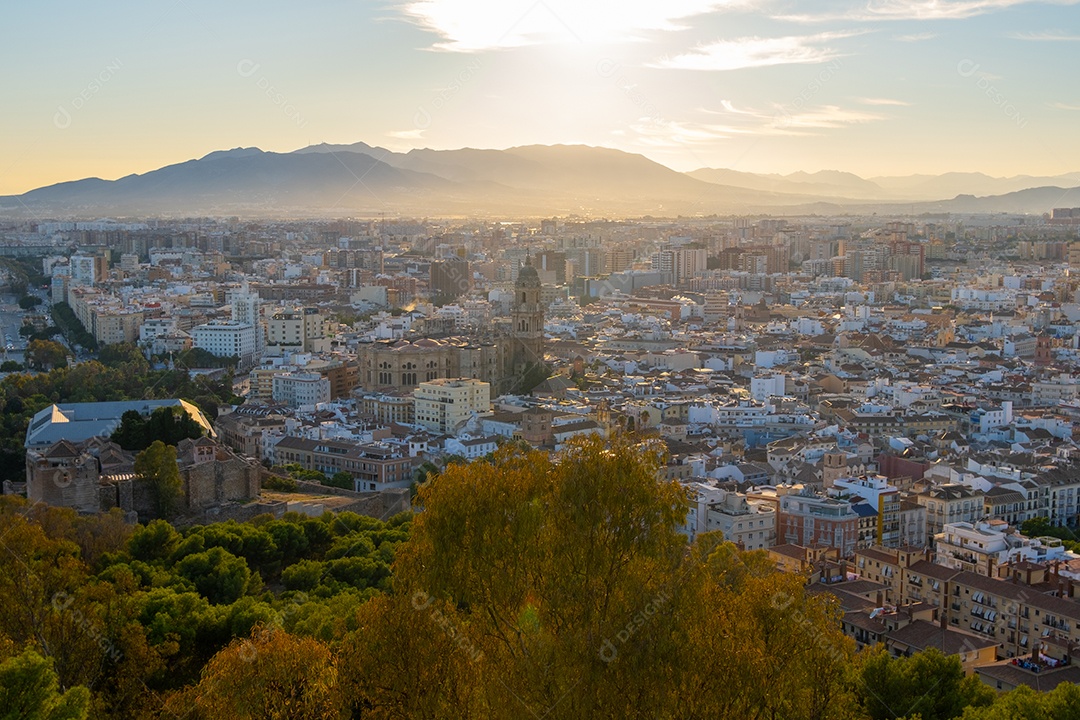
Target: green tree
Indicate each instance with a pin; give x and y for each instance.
(1041, 527)
(131, 435)
(168, 424)
(29, 690)
(46, 354)
(217, 574)
(271, 676)
(123, 354)
(157, 466)
(928, 684)
(153, 542)
(552, 558)
(341, 479)
(1023, 703)
(27, 302)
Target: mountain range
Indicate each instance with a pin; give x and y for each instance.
(356, 179)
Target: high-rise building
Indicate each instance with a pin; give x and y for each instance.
(88, 269)
(246, 308)
(680, 264)
(449, 279)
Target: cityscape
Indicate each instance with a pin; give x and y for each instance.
(769, 415)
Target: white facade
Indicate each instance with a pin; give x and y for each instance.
(447, 404)
(246, 308)
(764, 387)
(297, 389)
(153, 328)
(85, 269)
(227, 338)
(471, 449)
(981, 547)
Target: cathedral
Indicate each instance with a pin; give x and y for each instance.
(527, 314)
(507, 362)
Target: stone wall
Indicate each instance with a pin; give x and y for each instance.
(131, 496)
(73, 486)
(210, 484)
(237, 512)
(382, 505)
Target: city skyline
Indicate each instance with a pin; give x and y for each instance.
(885, 88)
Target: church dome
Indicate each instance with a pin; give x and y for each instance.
(527, 276)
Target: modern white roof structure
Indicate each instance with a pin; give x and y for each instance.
(77, 422)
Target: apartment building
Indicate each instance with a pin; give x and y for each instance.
(303, 329)
(245, 429)
(983, 546)
(374, 466)
(1060, 493)
(805, 518)
(227, 338)
(950, 503)
(883, 498)
(1031, 605)
(445, 405)
(750, 525)
(299, 389)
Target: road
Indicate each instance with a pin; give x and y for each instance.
(11, 319)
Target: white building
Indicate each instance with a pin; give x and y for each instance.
(153, 328)
(990, 419)
(293, 330)
(445, 405)
(982, 546)
(749, 524)
(473, 448)
(88, 269)
(297, 389)
(764, 387)
(246, 307)
(227, 338)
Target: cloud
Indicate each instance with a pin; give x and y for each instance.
(883, 101)
(1049, 36)
(1065, 106)
(479, 25)
(751, 52)
(729, 121)
(919, 10)
(671, 133)
(826, 116)
(915, 37)
(406, 134)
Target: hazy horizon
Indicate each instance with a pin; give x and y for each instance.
(890, 87)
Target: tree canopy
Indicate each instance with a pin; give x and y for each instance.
(167, 425)
(530, 585)
(157, 465)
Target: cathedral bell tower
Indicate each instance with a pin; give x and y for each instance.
(527, 315)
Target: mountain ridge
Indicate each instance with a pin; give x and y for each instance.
(327, 179)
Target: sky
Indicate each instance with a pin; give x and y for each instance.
(874, 87)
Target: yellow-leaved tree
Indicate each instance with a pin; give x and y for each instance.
(559, 587)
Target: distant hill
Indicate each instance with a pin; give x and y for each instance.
(909, 188)
(329, 180)
(337, 179)
(828, 183)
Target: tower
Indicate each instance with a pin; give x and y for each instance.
(1044, 353)
(527, 315)
(834, 467)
